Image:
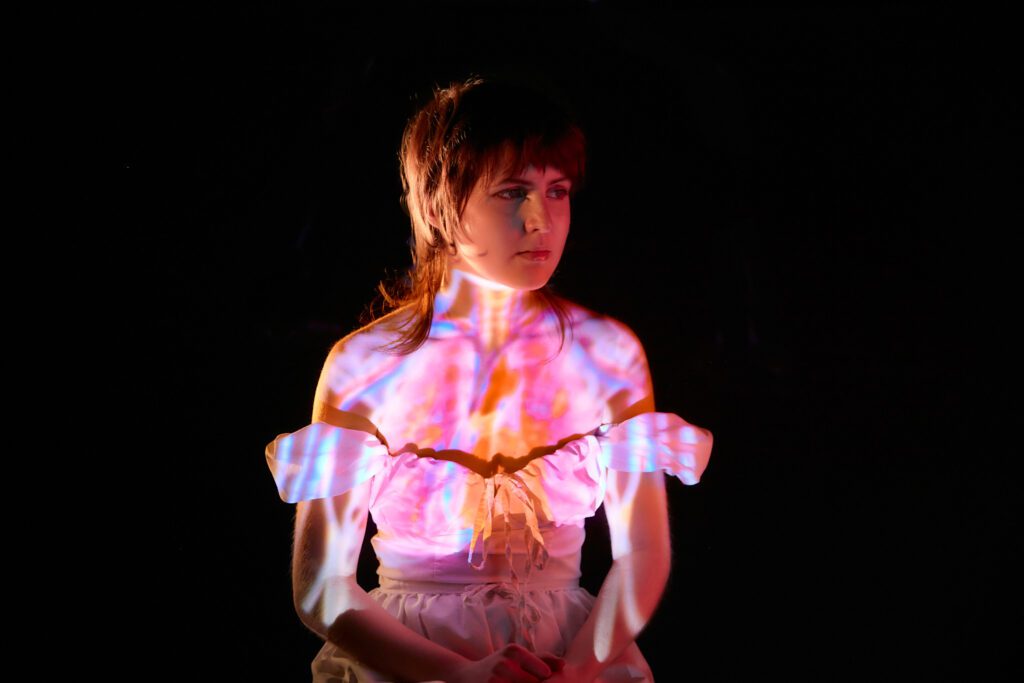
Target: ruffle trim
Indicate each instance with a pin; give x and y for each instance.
(322, 460)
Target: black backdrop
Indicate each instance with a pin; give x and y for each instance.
(803, 204)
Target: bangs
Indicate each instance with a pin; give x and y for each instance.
(505, 127)
(513, 157)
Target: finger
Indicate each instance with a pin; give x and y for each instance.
(554, 662)
(509, 671)
(529, 662)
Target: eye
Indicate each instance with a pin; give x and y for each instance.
(505, 192)
(519, 193)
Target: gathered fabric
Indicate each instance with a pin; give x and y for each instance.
(475, 562)
(508, 485)
(478, 619)
(565, 486)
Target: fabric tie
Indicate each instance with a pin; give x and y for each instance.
(527, 611)
(504, 487)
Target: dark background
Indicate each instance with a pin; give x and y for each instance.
(795, 209)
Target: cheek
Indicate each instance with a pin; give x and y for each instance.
(562, 218)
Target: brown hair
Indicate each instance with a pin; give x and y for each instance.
(472, 131)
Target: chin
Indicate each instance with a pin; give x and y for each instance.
(533, 282)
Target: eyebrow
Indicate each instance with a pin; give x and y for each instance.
(523, 181)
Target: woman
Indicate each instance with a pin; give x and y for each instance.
(481, 422)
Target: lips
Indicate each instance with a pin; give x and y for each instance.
(536, 255)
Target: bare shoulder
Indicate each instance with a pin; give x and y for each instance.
(364, 347)
(356, 357)
(618, 359)
(604, 336)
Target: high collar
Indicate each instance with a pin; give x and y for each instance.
(473, 305)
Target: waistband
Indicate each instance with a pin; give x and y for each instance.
(403, 586)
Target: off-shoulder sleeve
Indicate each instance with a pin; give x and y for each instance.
(321, 461)
(648, 442)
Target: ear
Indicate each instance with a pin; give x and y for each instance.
(432, 217)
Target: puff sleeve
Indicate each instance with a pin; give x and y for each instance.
(648, 442)
(322, 460)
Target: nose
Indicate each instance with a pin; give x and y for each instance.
(536, 217)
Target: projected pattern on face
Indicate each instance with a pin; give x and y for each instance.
(492, 449)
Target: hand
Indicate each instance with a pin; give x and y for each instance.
(570, 674)
(511, 664)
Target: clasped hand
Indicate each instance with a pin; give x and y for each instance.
(513, 664)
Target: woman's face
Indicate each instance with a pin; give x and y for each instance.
(517, 228)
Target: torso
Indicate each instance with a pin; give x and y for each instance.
(452, 394)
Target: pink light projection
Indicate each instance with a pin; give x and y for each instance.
(480, 456)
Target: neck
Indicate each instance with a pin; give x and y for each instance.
(489, 310)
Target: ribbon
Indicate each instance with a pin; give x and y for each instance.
(529, 615)
(505, 486)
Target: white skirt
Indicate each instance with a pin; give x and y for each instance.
(479, 619)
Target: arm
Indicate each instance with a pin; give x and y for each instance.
(328, 538)
(636, 509)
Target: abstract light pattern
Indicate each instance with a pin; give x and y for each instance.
(487, 443)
